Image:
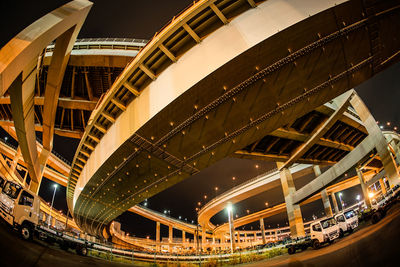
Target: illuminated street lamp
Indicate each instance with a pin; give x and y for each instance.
(370, 195)
(229, 209)
(341, 200)
(266, 204)
(52, 202)
(358, 197)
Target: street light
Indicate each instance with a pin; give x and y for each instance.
(358, 197)
(229, 209)
(341, 200)
(52, 201)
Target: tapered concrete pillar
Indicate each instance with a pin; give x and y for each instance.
(334, 201)
(231, 231)
(170, 238)
(364, 188)
(293, 210)
(381, 145)
(324, 194)
(326, 202)
(382, 184)
(183, 237)
(158, 236)
(203, 237)
(262, 231)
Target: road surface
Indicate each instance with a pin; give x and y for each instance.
(373, 245)
(16, 252)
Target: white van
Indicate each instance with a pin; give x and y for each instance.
(347, 221)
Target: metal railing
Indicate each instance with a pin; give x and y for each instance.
(106, 43)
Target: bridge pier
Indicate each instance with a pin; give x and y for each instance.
(231, 231)
(170, 237)
(364, 187)
(381, 144)
(262, 231)
(183, 237)
(203, 237)
(382, 184)
(324, 194)
(157, 236)
(293, 210)
(334, 201)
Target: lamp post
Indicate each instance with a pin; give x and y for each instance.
(231, 228)
(341, 200)
(52, 202)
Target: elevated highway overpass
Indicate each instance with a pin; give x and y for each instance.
(266, 78)
(260, 96)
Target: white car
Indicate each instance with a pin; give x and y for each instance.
(347, 221)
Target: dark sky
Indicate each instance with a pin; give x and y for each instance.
(142, 19)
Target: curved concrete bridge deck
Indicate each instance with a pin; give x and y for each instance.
(218, 98)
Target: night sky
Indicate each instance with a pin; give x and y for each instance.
(142, 19)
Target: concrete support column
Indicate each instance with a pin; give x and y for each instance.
(334, 201)
(383, 187)
(183, 237)
(231, 231)
(255, 236)
(326, 202)
(17, 157)
(324, 193)
(380, 141)
(245, 237)
(262, 231)
(25, 176)
(203, 237)
(158, 248)
(170, 238)
(293, 210)
(364, 188)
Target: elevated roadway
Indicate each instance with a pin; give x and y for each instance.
(239, 94)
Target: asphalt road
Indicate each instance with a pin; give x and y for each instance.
(374, 245)
(17, 252)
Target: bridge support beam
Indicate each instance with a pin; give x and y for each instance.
(17, 157)
(158, 236)
(334, 201)
(364, 188)
(183, 237)
(231, 231)
(324, 194)
(262, 227)
(293, 210)
(382, 184)
(203, 237)
(380, 142)
(18, 76)
(170, 237)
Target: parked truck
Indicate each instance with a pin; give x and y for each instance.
(347, 222)
(323, 231)
(20, 208)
